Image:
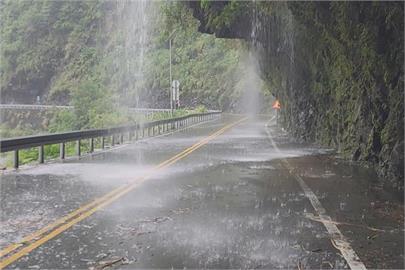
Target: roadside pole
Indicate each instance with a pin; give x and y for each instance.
(170, 71)
(175, 94)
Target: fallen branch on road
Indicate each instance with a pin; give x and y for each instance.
(104, 264)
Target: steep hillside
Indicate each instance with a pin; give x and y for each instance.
(52, 49)
(43, 43)
(337, 68)
(103, 56)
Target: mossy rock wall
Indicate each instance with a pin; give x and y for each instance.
(337, 68)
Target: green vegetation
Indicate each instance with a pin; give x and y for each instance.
(80, 53)
(207, 68)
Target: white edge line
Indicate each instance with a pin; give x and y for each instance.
(335, 234)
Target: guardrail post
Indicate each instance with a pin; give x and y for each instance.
(16, 159)
(102, 142)
(62, 150)
(41, 154)
(78, 153)
(91, 145)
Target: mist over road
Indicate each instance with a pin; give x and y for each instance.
(235, 197)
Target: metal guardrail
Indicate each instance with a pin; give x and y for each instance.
(37, 107)
(34, 107)
(60, 107)
(147, 110)
(134, 131)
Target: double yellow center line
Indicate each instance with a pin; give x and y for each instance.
(15, 251)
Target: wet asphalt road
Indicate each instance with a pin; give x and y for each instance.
(229, 204)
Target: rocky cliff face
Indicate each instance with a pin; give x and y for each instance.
(337, 68)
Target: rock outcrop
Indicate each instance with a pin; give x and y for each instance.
(336, 67)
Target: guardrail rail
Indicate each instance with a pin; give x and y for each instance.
(41, 107)
(117, 134)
